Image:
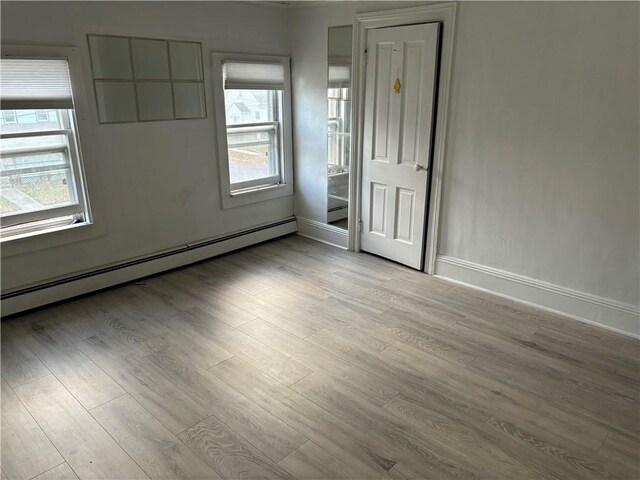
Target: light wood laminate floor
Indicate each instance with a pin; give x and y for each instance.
(293, 359)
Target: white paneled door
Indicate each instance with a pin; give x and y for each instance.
(399, 102)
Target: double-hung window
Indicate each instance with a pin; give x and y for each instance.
(41, 182)
(252, 95)
(339, 116)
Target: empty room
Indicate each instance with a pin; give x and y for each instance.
(357, 240)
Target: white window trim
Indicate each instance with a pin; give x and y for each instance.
(17, 243)
(253, 193)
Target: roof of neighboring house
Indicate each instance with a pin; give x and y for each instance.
(240, 106)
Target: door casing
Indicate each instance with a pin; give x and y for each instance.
(445, 14)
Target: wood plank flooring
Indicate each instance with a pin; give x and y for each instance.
(292, 359)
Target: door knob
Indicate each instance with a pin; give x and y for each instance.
(419, 167)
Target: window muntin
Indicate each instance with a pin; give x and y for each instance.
(40, 179)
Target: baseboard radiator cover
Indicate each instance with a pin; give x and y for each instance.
(603, 312)
(34, 296)
(323, 232)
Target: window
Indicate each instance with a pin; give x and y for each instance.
(42, 115)
(9, 116)
(41, 181)
(252, 96)
(253, 148)
(339, 115)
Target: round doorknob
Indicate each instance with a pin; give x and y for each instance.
(419, 167)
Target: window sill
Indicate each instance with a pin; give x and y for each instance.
(247, 196)
(261, 188)
(59, 236)
(5, 239)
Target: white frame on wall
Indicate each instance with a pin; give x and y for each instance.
(445, 14)
(284, 188)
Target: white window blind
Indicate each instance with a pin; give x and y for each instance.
(253, 76)
(35, 84)
(339, 76)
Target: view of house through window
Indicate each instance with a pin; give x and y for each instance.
(253, 135)
(39, 161)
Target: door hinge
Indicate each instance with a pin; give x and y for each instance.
(360, 225)
(366, 56)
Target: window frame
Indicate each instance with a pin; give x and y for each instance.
(255, 190)
(77, 202)
(56, 219)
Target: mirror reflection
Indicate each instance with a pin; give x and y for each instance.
(339, 125)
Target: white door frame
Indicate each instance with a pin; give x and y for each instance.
(444, 13)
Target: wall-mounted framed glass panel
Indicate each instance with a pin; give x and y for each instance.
(110, 57)
(189, 100)
(155, 101)
(186, 61)
(150, 59)
(116, 101)
(147, 79)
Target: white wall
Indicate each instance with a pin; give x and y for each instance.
(541, 175)
(542, 168)
(153, 186)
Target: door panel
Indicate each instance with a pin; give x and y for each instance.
(383, 72)
(411, 112)
(378, 208)
(397, 138)
(404, 215)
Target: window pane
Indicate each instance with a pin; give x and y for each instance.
(253, 150)
(252, 153)
(14, 121)
(28, 192)
(249, 106)
(35, 173)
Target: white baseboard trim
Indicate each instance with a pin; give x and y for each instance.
(603, 312)
(62, 289)
(323, 232)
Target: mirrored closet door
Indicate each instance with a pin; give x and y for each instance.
(338, 125)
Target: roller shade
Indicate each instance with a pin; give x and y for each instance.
(35, 83)
(253, 75)
(339, 76)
